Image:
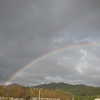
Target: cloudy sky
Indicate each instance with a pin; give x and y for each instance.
(31, 29)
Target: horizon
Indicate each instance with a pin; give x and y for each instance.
(49, 84)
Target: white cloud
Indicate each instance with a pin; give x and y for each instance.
(54, 78)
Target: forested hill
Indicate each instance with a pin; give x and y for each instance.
(18, 91)
(80, 90)
(51, 90)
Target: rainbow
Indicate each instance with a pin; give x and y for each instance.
(48, 54)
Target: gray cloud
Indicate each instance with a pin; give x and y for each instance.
(31, 29)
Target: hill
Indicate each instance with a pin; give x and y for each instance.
(61, 90)
(80, 90)
(18, 91)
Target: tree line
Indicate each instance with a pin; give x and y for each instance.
(29, 92)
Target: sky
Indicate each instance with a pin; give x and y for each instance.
(60, 37)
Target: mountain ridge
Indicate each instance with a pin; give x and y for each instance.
(77, 89)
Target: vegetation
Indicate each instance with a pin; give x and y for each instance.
(53, 90)
(79, 91)
(17, 91)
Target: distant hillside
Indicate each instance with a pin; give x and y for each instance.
(18, 91)
(80, 90)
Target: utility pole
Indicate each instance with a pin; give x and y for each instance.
(39, 93)
(73, 98)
